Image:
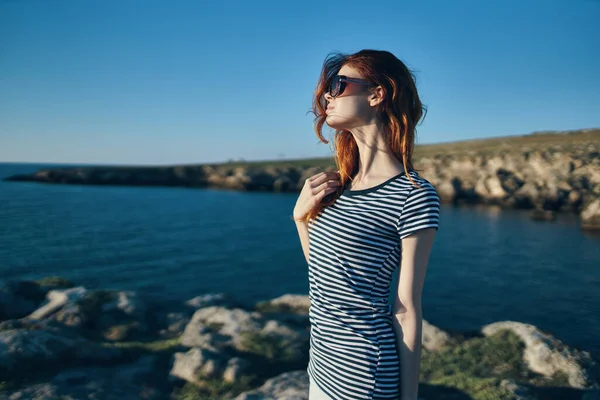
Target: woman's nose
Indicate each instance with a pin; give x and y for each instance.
(328, 96)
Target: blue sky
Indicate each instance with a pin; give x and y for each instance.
(163, 82)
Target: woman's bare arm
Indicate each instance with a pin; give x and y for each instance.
(303, 233)
(407, 315)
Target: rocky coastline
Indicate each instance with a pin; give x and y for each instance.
(62, 341)
(546, 173)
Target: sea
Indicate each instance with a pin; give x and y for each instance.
(486, 264)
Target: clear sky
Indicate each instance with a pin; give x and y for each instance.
(163, 82)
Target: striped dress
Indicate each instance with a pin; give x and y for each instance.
(354, 247)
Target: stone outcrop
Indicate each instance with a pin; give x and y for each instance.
(562, 177)
(547, 355)
(220, 349)
(24, 344)
(287, 386)
(590, 216)
(240, 330)
(204, 362)
(127, 381)
(433, 337)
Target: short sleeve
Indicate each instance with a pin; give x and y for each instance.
(420, 210)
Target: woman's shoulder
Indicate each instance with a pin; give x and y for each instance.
(414, 176)
(423, 185)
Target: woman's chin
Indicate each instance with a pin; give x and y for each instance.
(334, 123)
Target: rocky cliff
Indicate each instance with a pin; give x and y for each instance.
(545, 172)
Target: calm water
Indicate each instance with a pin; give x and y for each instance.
(486, 265)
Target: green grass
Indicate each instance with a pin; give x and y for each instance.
(565, 141)
(91, 304)
(214, 389)
(476, 388)
(499, 356)
(558, 379)
(266, 307)
(270, 346)
(477, 366)
(55, 281)
(152, 347)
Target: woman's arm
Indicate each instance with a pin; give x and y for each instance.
(303, 233)
(407, 316)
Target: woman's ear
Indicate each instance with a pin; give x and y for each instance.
(377, 96)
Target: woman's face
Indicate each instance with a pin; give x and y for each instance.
(351, 108)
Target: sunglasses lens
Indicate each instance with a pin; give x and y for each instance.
(334, 87)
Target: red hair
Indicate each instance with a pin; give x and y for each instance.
(400, 111)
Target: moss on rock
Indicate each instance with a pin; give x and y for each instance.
(55, 281)
(214, 389)
(271, 346)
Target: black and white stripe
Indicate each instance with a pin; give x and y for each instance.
(354, 248)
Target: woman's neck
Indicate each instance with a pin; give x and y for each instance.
(376, 161)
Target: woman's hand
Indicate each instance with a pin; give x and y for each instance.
(315, 188)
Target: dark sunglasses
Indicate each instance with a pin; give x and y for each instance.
(338, 84)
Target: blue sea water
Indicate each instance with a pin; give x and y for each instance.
(487, 264)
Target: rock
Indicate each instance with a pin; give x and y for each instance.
(19, 298)
(288, 303)
(119, 333)
(20, 348)
(511, 173)
(464, 167)
(287, 386)
(519, 392)
(140, 380)
(547, 355)
(227, 323)
(283, 184)
(526, 196)
(509, 180)
(198, 363)
(575, 198)
(284, 341)
(247, 332)
(543, 215)
(57, 299)
(54, 282)
(590, 216)
(236, 368)
(42, 391)
(495, 188)
(433, 337)
(447, 192)
(127, 303)
(553, 197)
(176, 323)
(122, 316)
(112, 315)
(210, 299)
(261, 180)
(75, 307)
(12, 324)
(273, 327)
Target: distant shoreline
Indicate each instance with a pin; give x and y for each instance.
(546, 172)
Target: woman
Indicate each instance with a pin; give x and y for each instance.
(360, 223)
